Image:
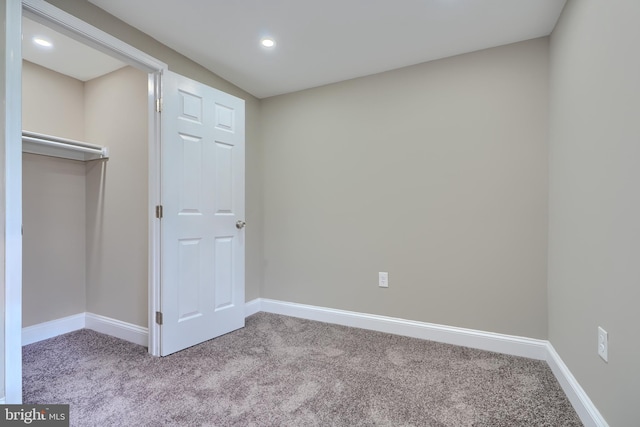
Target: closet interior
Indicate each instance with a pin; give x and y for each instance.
(85, 182)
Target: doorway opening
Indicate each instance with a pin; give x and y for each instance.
(121, 200)
(118, 196)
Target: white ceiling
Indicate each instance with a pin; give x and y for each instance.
(321, 42)
(66, 56)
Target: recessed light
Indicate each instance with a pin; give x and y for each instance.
(42, 42)
(267, 42)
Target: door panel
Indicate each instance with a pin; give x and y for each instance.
(202, 272)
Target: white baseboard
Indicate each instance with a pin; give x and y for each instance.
(588, 413)
(252, 307)
(46, 330)
(500, 343)
(117, 328)
(103, 324)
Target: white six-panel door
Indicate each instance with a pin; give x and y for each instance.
(202, 234)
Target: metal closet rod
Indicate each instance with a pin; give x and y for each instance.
(69, 144)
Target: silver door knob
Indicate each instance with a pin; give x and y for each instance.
(240, 224)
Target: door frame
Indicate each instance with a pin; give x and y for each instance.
(11, 205)
(45, 13)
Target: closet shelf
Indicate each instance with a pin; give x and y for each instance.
(47, 145)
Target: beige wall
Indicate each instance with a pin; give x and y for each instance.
(436, 173)
(181, 65)
(53, 200)
(52, 102)
(117, 196)
(594, 203)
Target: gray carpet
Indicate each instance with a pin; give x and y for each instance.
(283, 371)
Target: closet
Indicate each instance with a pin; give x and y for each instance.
(85, 190)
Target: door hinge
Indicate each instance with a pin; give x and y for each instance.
(159, 105)
(159, 317)
(159, 211)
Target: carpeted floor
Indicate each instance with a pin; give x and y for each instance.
(283, 371)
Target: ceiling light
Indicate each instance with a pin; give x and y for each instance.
(267, 42)
(42, 42)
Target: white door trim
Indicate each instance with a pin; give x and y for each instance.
(11, 203)
(43, 12)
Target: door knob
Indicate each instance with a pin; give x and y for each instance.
(240, 224)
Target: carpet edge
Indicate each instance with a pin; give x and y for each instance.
(490, 341)
(579, 399)
(501, 343)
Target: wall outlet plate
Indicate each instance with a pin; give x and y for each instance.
(383, 279)
(603, 344)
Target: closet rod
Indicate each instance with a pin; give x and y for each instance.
(63, 145)
(91, 151)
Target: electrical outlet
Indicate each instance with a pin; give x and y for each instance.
(383, 279)
(603, 344)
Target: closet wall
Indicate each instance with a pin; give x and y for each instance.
(85, 224)
(117, 196)
(54, 235)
